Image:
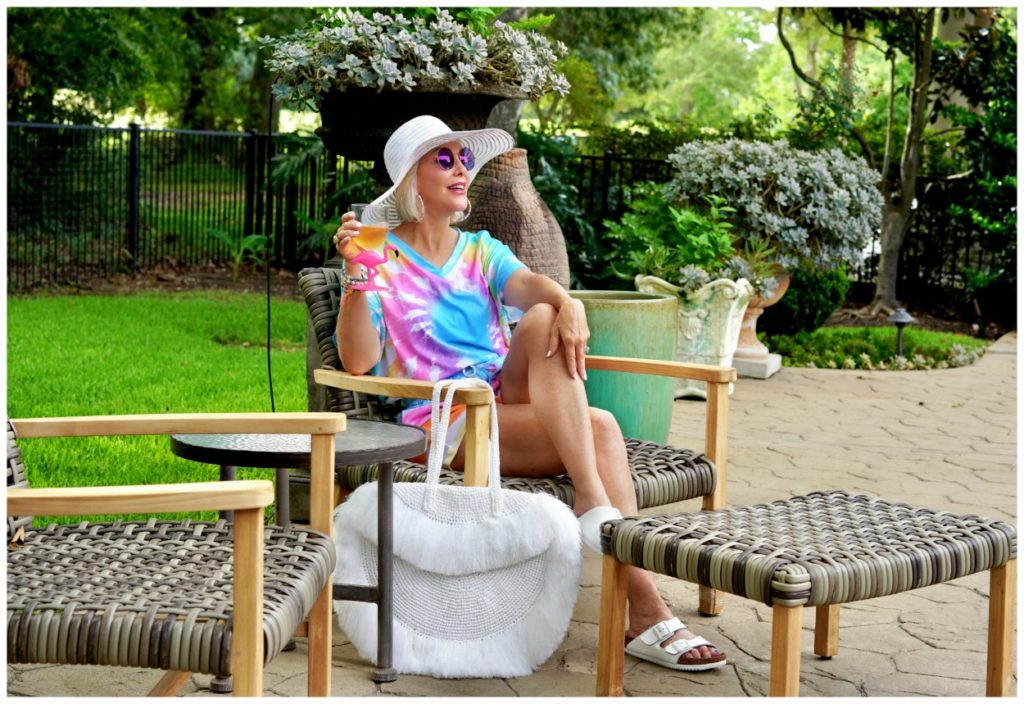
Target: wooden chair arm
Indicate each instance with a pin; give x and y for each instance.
(398, 388)
(147, 498)
(167, 423)
(413, 388)
(678, 370)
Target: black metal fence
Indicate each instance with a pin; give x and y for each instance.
(93, 200)
(90, 200)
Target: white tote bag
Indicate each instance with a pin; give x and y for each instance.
(485, 578)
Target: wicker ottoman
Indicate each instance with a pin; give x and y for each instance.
(821, 550)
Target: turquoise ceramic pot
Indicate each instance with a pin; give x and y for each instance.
(630, 324)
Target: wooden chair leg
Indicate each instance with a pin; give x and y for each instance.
(785, 665)
(716, 435)
(611, 633)
(247, 628)
(826, 631)
(1001, 607)
(321, 486)
(170, 684)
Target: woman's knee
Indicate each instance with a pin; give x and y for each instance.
(541, 315)
(606, 427)
(535, 326)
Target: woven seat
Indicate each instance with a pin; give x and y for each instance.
(823, 549)
(661, 474)
(156, 593)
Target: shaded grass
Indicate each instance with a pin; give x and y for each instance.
(151, 353)
(876, 348)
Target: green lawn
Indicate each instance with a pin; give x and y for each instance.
(154, 353)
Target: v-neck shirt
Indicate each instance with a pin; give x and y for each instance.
(444, 322)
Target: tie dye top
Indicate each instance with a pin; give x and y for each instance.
(443, 323)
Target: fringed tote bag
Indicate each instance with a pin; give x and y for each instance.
(485, 578)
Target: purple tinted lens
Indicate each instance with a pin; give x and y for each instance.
(445, 158)
(467, 158)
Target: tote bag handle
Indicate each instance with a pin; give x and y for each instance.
(440, 416)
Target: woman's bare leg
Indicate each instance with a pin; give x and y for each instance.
(545, 427)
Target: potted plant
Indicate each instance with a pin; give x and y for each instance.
(692, 254)
(367, 72)
(814, 207)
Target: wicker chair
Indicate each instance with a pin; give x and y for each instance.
(661, 474)
(182, 596)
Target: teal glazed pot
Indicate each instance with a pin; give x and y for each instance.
(640, 325)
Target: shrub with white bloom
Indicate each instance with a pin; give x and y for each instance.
(819, 206)
(343, 49)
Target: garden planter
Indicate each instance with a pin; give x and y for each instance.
(628, 324)
(506, 204)
(752, 358)
(357, 122)
(708, 322)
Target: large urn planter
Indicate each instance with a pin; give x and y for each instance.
(752, 358)
(630, 324)
(506, 204)
(357, 122)
(708, 321)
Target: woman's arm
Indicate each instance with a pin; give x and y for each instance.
(525, 289)
(358, 340)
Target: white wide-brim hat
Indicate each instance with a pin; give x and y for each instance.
(407, 145)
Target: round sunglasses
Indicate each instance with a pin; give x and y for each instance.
(445, 158)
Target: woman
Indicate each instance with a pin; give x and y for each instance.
(441, 315)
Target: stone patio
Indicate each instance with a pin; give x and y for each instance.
(944, 439)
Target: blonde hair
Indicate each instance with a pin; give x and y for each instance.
(407, 199)
(408, 202)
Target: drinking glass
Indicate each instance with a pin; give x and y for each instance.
(371, 235)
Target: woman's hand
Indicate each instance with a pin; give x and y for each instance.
(570, 331)
(343, 237)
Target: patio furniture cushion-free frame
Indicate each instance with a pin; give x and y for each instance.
(820, 550)
(177, 595)
(661, 474)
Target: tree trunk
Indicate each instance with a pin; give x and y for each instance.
(898, 204)
(895, 223)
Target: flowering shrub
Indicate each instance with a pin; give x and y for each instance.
(344, 49)
(821, 207)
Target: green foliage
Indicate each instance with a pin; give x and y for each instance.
(649, 139)
(829, 113)
(812, 296)
(586, 251)
(240, 248)
(107, 55)
(347, 49)
(983, 68)
(657, 238)
(821, 207)
(149, 353)
(875, 348)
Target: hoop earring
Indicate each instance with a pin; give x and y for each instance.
(421, 209)
(463, 215)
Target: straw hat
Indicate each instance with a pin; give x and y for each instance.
(415, 138)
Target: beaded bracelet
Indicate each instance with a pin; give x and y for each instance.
(347, 281)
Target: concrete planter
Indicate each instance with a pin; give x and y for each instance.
(628, 324)
(709, 322)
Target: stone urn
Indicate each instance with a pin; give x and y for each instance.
(357, 122)
(752, 358)
(709, 322)
(506, 204)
